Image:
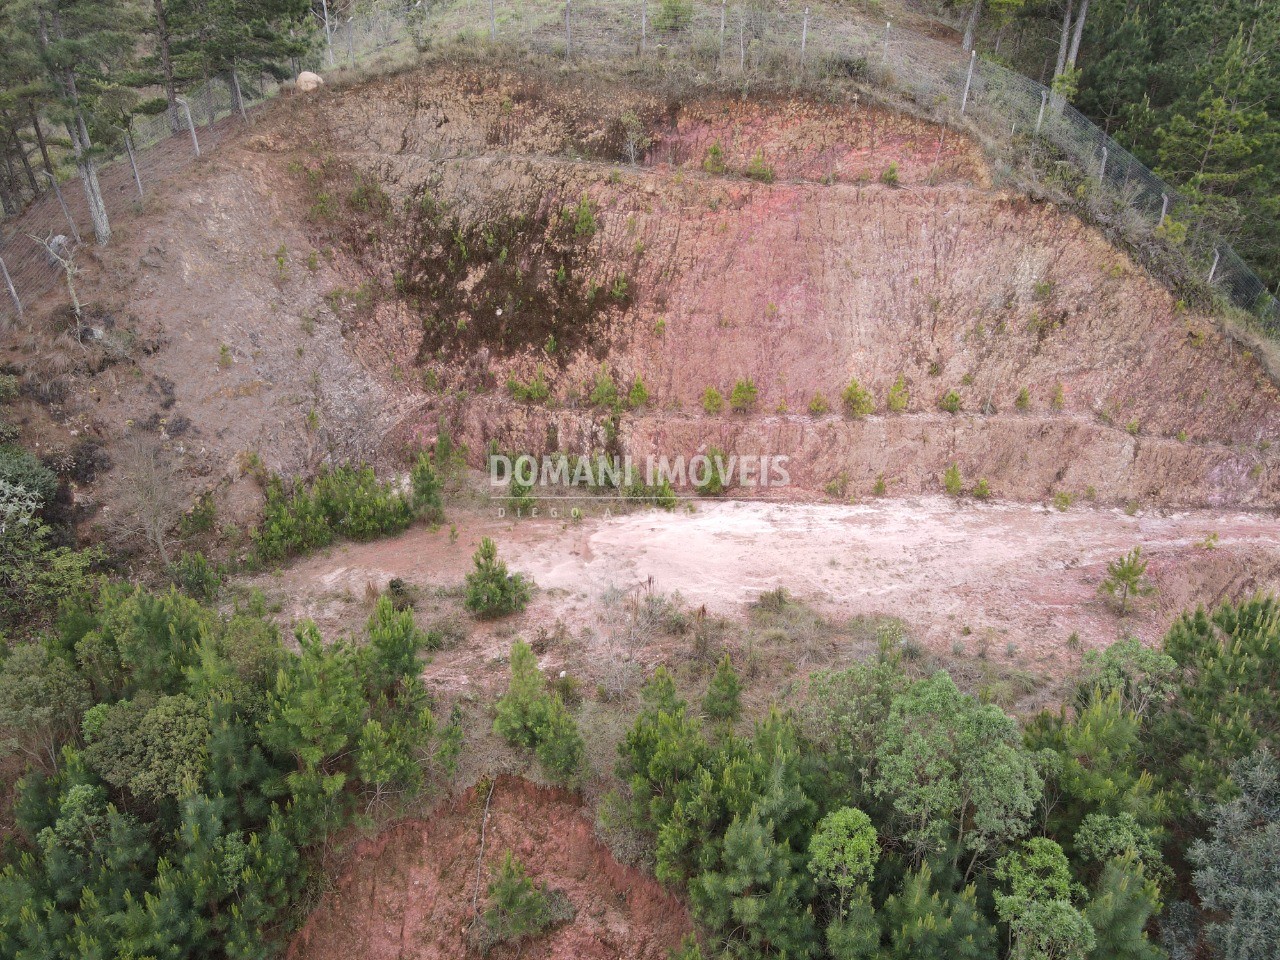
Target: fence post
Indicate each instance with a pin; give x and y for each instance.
(493, 22)
(1044, 102)
(133, 162)
(63, 204)
(8, 282)
(804, 35)
(235, 82)
(644, 24)
(1214, 269)
(1164, 208)
(887, 25)
(1102, 171)
(191, 124)
(742, 45)
(968, 81)
(568, 31)
(351, 42)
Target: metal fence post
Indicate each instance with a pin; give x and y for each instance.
(968, 82)
(1044, 102)
(742, 45)
(568, 31)
(644, 24)
(1213, 271)
(1164, 207)
(1102, 171)
(887, 25)
(493, 22)
(804, 35)
(8, 282)
(191, 124)
(133, 162)
(63, 204)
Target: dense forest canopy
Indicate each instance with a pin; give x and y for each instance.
(1192, 87)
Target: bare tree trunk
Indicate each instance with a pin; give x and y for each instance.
(22, 155)
(82, 146)
(971, 26)
(166, 65)
(44, 147)
(1064, 40)
(1075, 41)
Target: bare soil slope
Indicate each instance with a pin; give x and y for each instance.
(761, 239)
(409, 893)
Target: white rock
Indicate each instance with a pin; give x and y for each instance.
(308, 81)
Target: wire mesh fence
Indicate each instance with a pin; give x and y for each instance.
(742, 38)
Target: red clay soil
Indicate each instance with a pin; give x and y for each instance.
(408, 892)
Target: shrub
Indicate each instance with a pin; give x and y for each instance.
(426, 485)
(491, 591)
(673, 15)
(758, 169)
(346, 502)
(21, 469)
(638, 395)
(529, 716)
(718, 478)
(899, 395)
(1126, 579)
(196, 575)
(950, 402)
(1059, 398)
(604, 393)
(582, 218)
(724, 695)
(982, 490)
(713, 162)
(743, 398)
(857, 401)
(712, 401)
(1023, 400)
(890, 176)
(952, 482)
(535, 391)
(818, 405)
(1062, 500)
(518, 909)
(881, 487)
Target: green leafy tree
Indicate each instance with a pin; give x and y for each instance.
(927, 924)
(1038, 907)
(42, 697)
(1119, 910)
(843, 852)
(753, 898)
(955, 771)
(521, 710)
(1237, 866)
(1225, 706)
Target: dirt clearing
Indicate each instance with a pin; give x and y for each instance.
(1008, 582)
